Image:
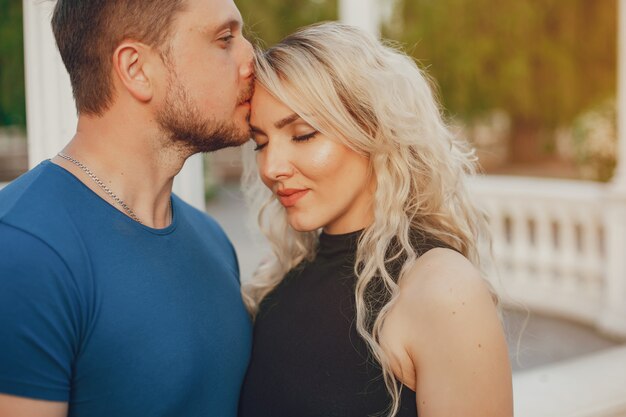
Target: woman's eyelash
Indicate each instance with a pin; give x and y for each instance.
(304, 138)
(301, 138)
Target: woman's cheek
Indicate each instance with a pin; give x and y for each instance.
(325, 158)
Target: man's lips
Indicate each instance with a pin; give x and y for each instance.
(289, 196)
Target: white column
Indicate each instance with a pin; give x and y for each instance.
(189, 184)
(51, 115)
(619, 179)
(612, 319)
(365, 14)
(50, 112)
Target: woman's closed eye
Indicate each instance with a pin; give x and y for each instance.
(305, 137)
(298, 138)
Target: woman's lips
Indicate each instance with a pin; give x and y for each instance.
(288, 197)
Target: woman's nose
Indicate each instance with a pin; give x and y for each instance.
(275, 164)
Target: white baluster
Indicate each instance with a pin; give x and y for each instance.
(544, 244)
(520, 244)
(591, 256)
(612, 318)
(567, 260)
(497, 273)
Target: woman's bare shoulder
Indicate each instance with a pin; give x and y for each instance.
(446, 322)
(442, 279)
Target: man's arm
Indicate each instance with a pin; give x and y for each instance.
(39, 319)
(11, 406)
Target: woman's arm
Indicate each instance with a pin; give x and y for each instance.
(447, 340)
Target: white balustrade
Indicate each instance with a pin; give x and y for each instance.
(551, 249)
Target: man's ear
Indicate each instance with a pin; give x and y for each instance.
(133, 66)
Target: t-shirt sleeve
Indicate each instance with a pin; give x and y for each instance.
(39, 318)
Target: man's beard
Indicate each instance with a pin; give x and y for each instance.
(183, 123)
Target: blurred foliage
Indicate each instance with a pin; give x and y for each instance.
(542, 61)
(12, 95)
(268, 21)
(594, 137)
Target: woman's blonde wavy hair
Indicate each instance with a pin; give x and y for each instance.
(374, 99)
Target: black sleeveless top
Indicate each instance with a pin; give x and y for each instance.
(307, 357)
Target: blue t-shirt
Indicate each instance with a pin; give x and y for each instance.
(116, 318)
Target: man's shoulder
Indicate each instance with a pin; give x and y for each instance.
(24, 251)
(32, 193)
(34, 207)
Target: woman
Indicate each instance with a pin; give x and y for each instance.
(373, 301)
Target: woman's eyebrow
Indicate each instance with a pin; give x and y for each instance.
(278, 125)
(287, 120)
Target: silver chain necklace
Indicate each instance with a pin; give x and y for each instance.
(106, 189)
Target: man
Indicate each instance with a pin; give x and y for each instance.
(116, 298)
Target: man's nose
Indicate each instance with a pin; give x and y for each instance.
(247, 67)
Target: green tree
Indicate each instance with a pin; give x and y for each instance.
(268, 21)
(12, 93)
(543, 61)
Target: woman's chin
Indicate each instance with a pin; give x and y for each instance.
(302, 226)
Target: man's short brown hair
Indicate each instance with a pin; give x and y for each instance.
(87, 32)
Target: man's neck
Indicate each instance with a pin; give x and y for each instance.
(136, 164)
